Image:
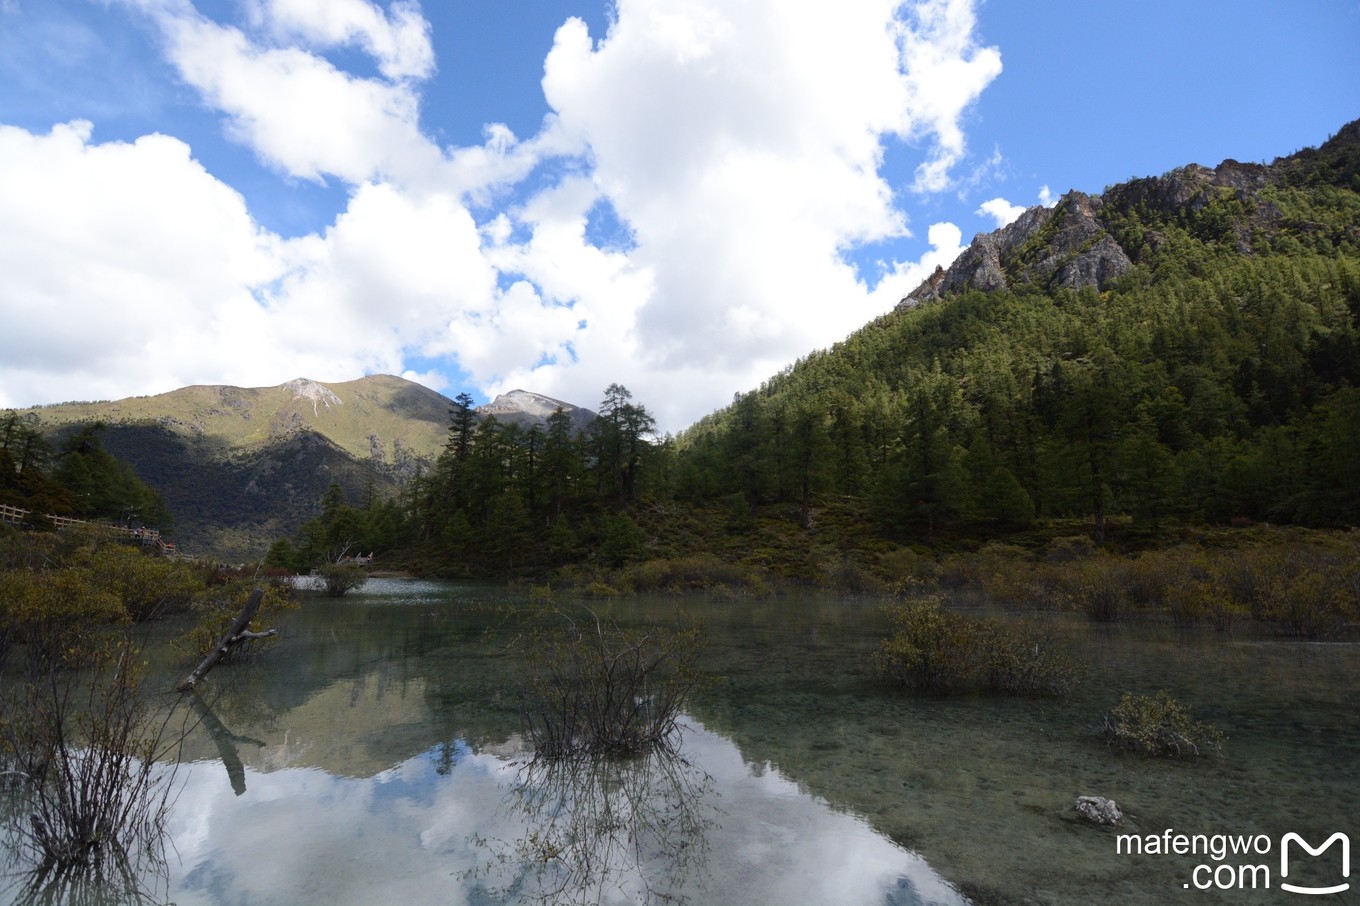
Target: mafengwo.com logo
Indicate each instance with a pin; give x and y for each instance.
(1240, 862)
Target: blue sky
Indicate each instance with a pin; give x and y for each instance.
(682, 196)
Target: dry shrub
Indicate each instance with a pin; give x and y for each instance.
(1159, 725)
(593, 687)
(84, 747)
(1100, 586)
(932, 649)
(1024, 659)
(701, 572)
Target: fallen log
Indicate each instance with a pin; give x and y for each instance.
(235, 635)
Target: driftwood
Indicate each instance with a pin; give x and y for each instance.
(235, 635)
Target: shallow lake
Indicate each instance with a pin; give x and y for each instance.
(373, 756)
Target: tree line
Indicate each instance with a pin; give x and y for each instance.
(1217, 380)
(74, 476)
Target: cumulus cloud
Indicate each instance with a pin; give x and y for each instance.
(742, 144)
(1001, 210)
(946, 71)
(121, 262)
(130, 269)
(297, 111)
(738, 147)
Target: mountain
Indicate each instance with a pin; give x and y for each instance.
(241, 467)
(1183, 347)
(526, 409)
(1091, 241)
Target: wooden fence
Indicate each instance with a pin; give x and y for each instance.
(14, 515)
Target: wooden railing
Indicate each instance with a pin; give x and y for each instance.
(17, 516)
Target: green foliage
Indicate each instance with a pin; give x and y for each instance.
(339, 578)
(930, 649)
(103, 487)
(1159, 725)
(79, 479)
(58, 614)
(219, 607)
(1204, 384)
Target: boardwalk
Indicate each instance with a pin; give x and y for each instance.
(14, 515)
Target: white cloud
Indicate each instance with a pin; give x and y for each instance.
(946, 71)
(1001, 210)
(130, 269)
(399, 42)
(740, 145)
(121, 262)
(297, 111)
(1046, 197)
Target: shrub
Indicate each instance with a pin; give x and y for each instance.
(930, 650)
(85, 748)
(592, 687)
(217, 611)
(1159, 725)
(934, 650)
(843, 575)
(1023, 659)
(702, 572)
(148, 586)
(59, 614)
(339, 578)
(1100, 586)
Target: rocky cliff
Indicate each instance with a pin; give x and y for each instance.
(1090, 241)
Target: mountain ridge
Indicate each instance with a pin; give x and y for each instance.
(1083, 240)
(240, 467)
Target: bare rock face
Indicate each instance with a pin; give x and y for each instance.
(1099, 810)
(316, 394)
(1077, 243)
(1080, 252)
(1065, 246)
(526, 408)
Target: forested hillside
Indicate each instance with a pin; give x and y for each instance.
(1195, 356)
(1181, 350)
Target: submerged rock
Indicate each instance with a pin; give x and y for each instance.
(1099, 810)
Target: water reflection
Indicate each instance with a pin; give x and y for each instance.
(388, 730)
(700, 825)
(225, 741)
(115, 880)
(597, 829)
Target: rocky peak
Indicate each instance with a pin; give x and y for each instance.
(528, 408)
(1076, 243)
(1065, 245)
(317, 394)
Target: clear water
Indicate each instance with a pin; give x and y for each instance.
(373, 757)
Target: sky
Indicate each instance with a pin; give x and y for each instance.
(680, 196)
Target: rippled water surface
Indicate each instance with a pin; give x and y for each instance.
(373, 756)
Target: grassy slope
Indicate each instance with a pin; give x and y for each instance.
(390, 409)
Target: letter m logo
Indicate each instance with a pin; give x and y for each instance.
(1345, 861)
